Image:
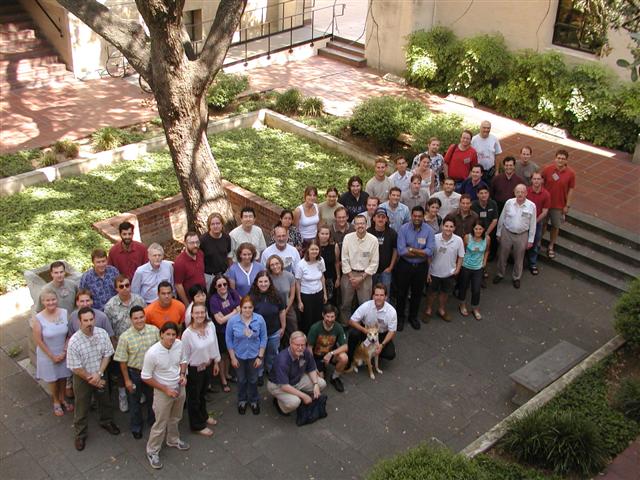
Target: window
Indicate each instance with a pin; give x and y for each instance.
(579, 25)
(193, 23)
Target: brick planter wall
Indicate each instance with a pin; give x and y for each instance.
(166, 219)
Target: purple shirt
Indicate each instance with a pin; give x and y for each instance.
(102, 288)
(217, 305)
(287, 371)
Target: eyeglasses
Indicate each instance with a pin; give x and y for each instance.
(220, 285)
(123, 285)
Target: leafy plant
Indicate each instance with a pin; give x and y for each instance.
(68, 148)
(446, 126)
(14, 351)
(107, 138)
(627, 314)
(257, 101)
(288, 102)
(225, 89)
(18, 162)
(331, 124)
(312, 106)
(382, 119)
(627, 398)
(48, 158)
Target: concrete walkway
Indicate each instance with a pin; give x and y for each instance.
(625, 466)
(449, 384)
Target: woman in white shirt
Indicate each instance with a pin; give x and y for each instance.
(311, 290)
(200, 349)
(307, 216)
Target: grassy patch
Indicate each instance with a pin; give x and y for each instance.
(17, 163)
(52, 221)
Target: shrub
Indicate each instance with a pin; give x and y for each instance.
(627, 314)
(312, 106)
(382, 119)
(432, 58)
(67, 148)
(447, 127)
(563, 442)
(18, 162)
(107, 138)
(225, 89)
(257, 101)
(627, 398)
(288, 102)
(48, 158)
(486, 63)
(331, 124)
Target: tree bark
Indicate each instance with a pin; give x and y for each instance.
(179, 81)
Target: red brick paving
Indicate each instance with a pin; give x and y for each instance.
(608, 184)
(625, 466)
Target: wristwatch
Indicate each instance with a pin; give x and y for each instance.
(260, 357)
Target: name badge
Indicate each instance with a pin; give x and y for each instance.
(442, 250)
(422, 241)
(365, 254)
(64, 292)
(526, 214)
(467, 160)
(366, 343)
(476, 249)
(483, 214)
(288, 261)
(555, 176)
(380, 240)
(247, 332)
(302, 362)
(225, 304)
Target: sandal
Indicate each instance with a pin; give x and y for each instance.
(551, 253)
(463, 310)
(476, 315)
(211, 421)
(226, 388)
(206, 432)
(534, 270)
(444, 316)
(68, 406)
(57, 410)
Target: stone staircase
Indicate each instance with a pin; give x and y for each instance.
(346, 51)
(597, 251)
(27, 60)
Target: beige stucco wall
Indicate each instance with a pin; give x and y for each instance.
(61, 43)
(523, 23)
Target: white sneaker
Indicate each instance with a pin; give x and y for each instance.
(154, 460)
(124, 404)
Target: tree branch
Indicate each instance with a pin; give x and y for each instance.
(219, 38)
(127, 36)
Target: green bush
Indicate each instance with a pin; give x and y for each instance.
(331, 124)
(627, 314)
(436, 463)
(382, 119)
(257, 102)
(563, 442)
(312, 106)
(288, 102)
(432, 58)
(225, 88)
(485, 64)
(48, 158)
(68, 148)
(17, 163)
(627, 398)
(107, 138)
(446, 126)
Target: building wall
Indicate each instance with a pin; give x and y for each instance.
(524, 24)
(61, 43)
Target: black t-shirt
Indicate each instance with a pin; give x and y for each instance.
(328, 253)
(353, 206)
(269, 310)
(215, 252)
(486, 215)
(387, 241)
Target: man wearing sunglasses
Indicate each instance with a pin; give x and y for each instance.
(117, 310)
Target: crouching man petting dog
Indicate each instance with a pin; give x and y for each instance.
(375, 313)
(294, 377)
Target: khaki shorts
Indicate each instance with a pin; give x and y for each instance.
(556, 217)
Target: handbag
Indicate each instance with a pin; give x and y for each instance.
(307, 414)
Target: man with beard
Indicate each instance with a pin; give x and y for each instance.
(127, 254)
(188, 269)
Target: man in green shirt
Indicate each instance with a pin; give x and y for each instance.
(328, 343)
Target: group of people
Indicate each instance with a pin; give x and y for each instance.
(294, 310)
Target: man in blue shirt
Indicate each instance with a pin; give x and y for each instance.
(294, 377)
(473, 183)
(99, 279)
(416, 242)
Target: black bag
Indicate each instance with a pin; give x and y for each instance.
(307, 414)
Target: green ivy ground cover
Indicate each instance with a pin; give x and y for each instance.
(52, 221)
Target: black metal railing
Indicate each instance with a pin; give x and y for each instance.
(50, 19)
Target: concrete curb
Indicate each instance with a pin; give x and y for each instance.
(486, 441)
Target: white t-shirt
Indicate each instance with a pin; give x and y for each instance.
(445, 255)
(402, 182)
(386, 318)
(449, 204)
(290, 256)
(310, 276)
(163, 365)
(487, 149)
(239, 235)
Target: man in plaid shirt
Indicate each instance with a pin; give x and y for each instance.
(88, 354)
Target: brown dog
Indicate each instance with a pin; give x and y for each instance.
(366, 353)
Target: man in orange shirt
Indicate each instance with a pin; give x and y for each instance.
(166, 308)
(560, 182)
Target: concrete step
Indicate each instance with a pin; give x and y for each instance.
(16, 26)
(37, 82)
(9, 37)
(343, 57)
(26, 64)
(338, 38)
(586, 271)
(41, 72)
(21, 47)
(595, 258)
(606, 229)
(596, 241)
(346, 47)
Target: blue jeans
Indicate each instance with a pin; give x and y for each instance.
(532, 253)
(247, 381)
(135, 409)
(270, 353)
(385, 279)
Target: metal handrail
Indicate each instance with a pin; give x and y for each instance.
(50, 19)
